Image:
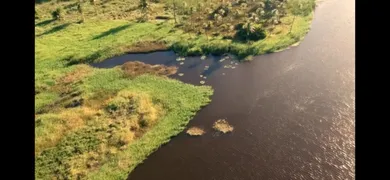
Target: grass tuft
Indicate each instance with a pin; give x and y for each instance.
(195, 131)
(223, 126)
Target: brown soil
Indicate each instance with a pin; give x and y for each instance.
(137, 68)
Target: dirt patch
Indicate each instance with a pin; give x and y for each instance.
(137, 68)
(223, 126)
(145, 47)
(195, 131)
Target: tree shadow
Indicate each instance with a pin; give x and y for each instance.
(112, 31)
(55, 29)
(44, 23)
(73, 60)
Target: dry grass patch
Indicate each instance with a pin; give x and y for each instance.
(223, 126)
(195, 131)
(136, 68)
(50, 128)
(76, 75)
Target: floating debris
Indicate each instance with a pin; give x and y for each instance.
(180, 59)
(203, 57)
(201, 75)
(223, 126)
(229, 66)
(202, 82)
(181, 74)
(236, 64)
(233, 67)
(204, 77)
(181, 63)
(222, 60)
(223, 73)
(195, 131)
(206, 67)
(231, 62)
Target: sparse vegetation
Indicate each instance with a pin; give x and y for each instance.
(195, 131)
(223, 126)
(58, 14)
(196, 28)
(100, 123)
(133, 69)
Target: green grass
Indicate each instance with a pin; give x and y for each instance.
(73, 142)
(91, 38)
(92, 142)
(179, 101)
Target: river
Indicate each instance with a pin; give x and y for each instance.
(293, 112)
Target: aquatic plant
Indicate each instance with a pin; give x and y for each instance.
(195, 131)
(223, 126)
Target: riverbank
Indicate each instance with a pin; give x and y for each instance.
(193, 34)
(100, 123)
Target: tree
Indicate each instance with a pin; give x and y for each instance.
(80, 9)
(300, 8)
(144, 7)
(249, 31)
(207, 27)
(174, 10)
(58, 14)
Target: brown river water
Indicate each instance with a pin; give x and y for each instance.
(293, 112)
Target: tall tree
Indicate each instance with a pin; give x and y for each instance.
(144, 7)
(80, 9)
(174, 10)
(300, 8)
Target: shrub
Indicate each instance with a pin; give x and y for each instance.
(58, 14)
(182, 48)
(249, 31)
(215, 48)
(129, 104)
(194, 51)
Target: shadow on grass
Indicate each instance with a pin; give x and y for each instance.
(55, 29)
(112, 31)
(98, 55)
(44, 23)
